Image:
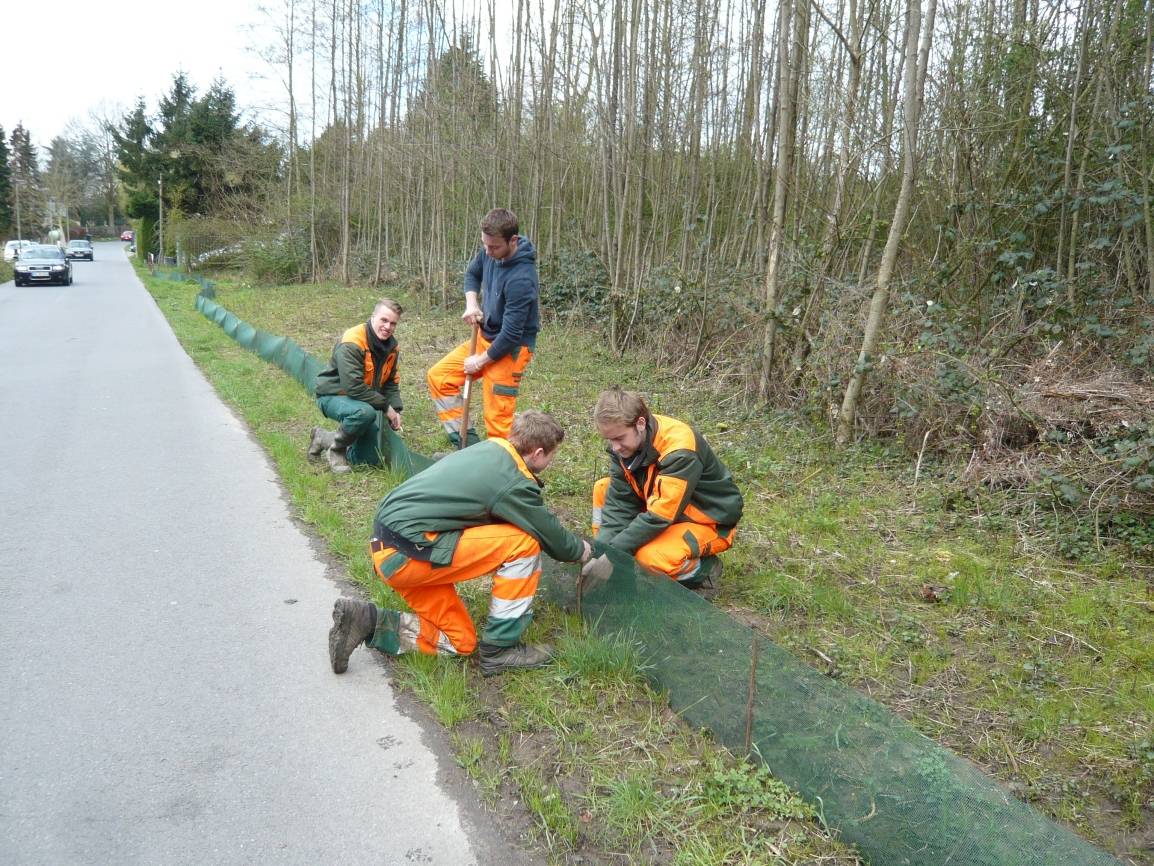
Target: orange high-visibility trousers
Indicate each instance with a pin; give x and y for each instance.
(443, 624)
(500, 382)
(678, 549)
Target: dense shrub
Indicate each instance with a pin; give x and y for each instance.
(277, 260)
(574, 283)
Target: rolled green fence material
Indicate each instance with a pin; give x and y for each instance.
(246, 336)
(898, 796)
(312, 369)
(270, 347)
(294, 363)
(902, 799)
(230, 323)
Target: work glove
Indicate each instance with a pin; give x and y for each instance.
(595, 572)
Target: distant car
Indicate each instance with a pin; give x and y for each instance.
(43, 264)
(127, 235)
(79, 250)
(12, 248)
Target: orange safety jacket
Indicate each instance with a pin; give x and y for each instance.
(674, 476)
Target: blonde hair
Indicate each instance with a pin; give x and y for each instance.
(615, 406)
(533, 429)
(388, 303)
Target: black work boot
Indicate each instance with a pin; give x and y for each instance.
(498, 659)
(342, 439)
(471, 438)
(353, 623)
(707, 581)
(320, 443)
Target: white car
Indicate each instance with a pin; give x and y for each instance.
(12, 247)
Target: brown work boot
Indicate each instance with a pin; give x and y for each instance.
(353, 624)
(498, 659)
(338, 461)
(320, 443)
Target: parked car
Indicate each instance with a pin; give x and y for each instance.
(12, 249)
(127, 235)
(43, 264)
(79, 250)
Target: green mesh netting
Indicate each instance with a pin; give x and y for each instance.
(895, 794)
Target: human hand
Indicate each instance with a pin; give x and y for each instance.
(474, 364)
(586, 551)
(595, 572)
(394, 419)
(472, 315)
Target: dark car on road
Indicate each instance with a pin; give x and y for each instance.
(80, 250)
(43, 264)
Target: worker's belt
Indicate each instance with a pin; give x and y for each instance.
(383, 537)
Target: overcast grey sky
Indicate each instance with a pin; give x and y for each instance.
(62, 59)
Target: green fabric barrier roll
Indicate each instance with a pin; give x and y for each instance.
(245, 335)
(270, 347)
(312, 369)
(229, 324)
(294, 362)
(898, 796)
(395, 453)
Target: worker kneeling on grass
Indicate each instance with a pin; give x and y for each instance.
(361, 381)
(668, 500)
(478, 511)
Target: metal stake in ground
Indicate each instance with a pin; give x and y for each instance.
(467, 392)
(752, 694)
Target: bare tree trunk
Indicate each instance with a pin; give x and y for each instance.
(314, 253)
(785, 122)
(888, 110)
(845, 164)
(1072, 134)
(916, 64)
(1146, 166)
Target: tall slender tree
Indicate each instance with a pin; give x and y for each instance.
(6, 205)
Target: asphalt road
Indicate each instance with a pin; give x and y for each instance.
(165, 694)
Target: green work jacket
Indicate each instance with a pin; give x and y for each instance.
(483, 484)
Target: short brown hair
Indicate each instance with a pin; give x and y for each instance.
(390, 304)
(533, 429)
(500, 222)
(615, 406)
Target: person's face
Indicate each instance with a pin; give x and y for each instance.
(624, 440)
(496, 247)
(384, 322)
(538, 461)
